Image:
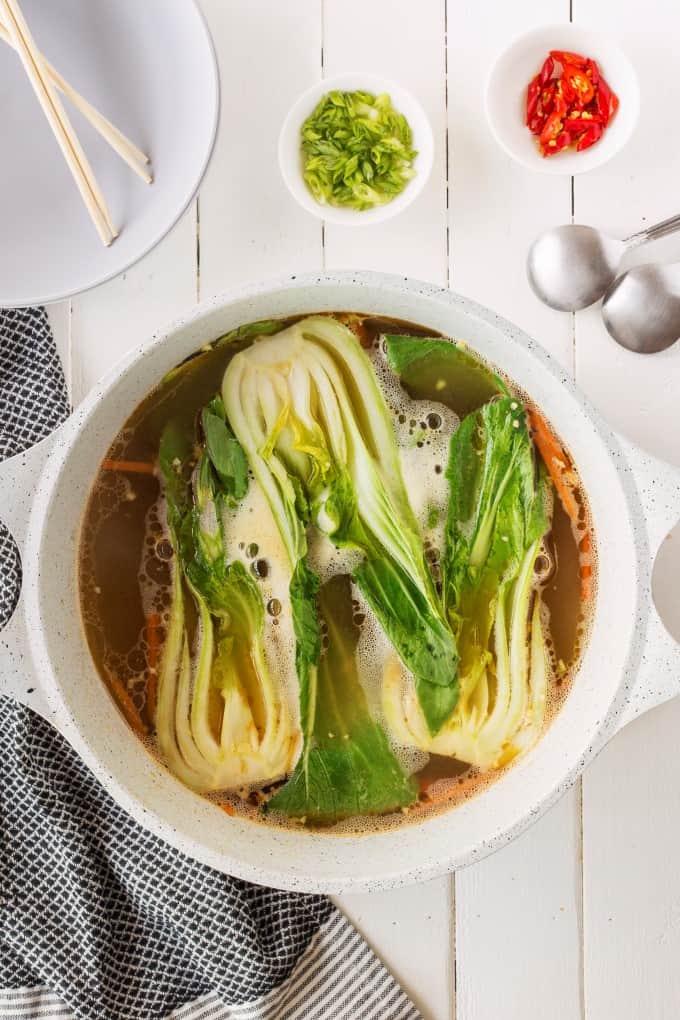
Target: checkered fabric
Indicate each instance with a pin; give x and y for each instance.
(33, 401)
(99, 919)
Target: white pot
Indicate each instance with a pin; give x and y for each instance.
(630, 664)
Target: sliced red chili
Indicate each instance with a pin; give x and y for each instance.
(569, 103)
(548, 96)
(578, 124)
(568, 92)
(603, 101)
(560, 102)
(533, 95)
(561, 141)
(592, 134)
(580, 83)
(546, 72)
(566, 57)
(553, 126)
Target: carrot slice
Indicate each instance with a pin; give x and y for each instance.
(586, 574)
(135, 467)
(557, 462)
(127, 705)
(561, 470)
(228, 809)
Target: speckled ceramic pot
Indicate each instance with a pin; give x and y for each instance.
(630, 664)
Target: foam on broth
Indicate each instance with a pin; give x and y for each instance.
(125, 559)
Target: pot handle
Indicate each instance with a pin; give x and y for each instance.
(658, 486)
(18, 483)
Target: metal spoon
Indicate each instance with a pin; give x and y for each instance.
(641, 309)
(571, 267)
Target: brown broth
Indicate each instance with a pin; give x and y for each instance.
(125, 577)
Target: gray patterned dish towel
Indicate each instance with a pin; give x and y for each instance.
(99, 919)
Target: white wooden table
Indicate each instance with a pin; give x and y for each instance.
(581, 916)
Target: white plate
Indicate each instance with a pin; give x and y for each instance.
(149, 66)
(506, 91)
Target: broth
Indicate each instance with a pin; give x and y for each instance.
(126, 558)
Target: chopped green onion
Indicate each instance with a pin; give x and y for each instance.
(357, 150)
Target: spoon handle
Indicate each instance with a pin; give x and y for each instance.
(653, 232)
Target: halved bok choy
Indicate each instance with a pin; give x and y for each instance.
(311, 418)
(221, 722)
(307, 408)
(499, 512)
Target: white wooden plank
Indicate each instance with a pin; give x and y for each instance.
(110, 320)
(637, 188)
(497, 207)
(59, 315)
(411, 928)
(631, 847)
(413, 54)
(518, 927)
(631, 806)
(251, 227)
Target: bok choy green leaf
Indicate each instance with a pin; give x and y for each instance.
(351, 769)
(461, 381)
(264, 327)
(225, 453)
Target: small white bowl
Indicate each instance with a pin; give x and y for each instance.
(506, 91)
(290, 152)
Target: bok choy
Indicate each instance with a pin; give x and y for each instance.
(498, 514)
(221, 722)
(308, 411)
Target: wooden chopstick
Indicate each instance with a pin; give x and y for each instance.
(58, 120)
(127, 150)
(119, 142)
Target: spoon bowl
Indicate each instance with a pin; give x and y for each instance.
(641, 310)
(571, 267)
